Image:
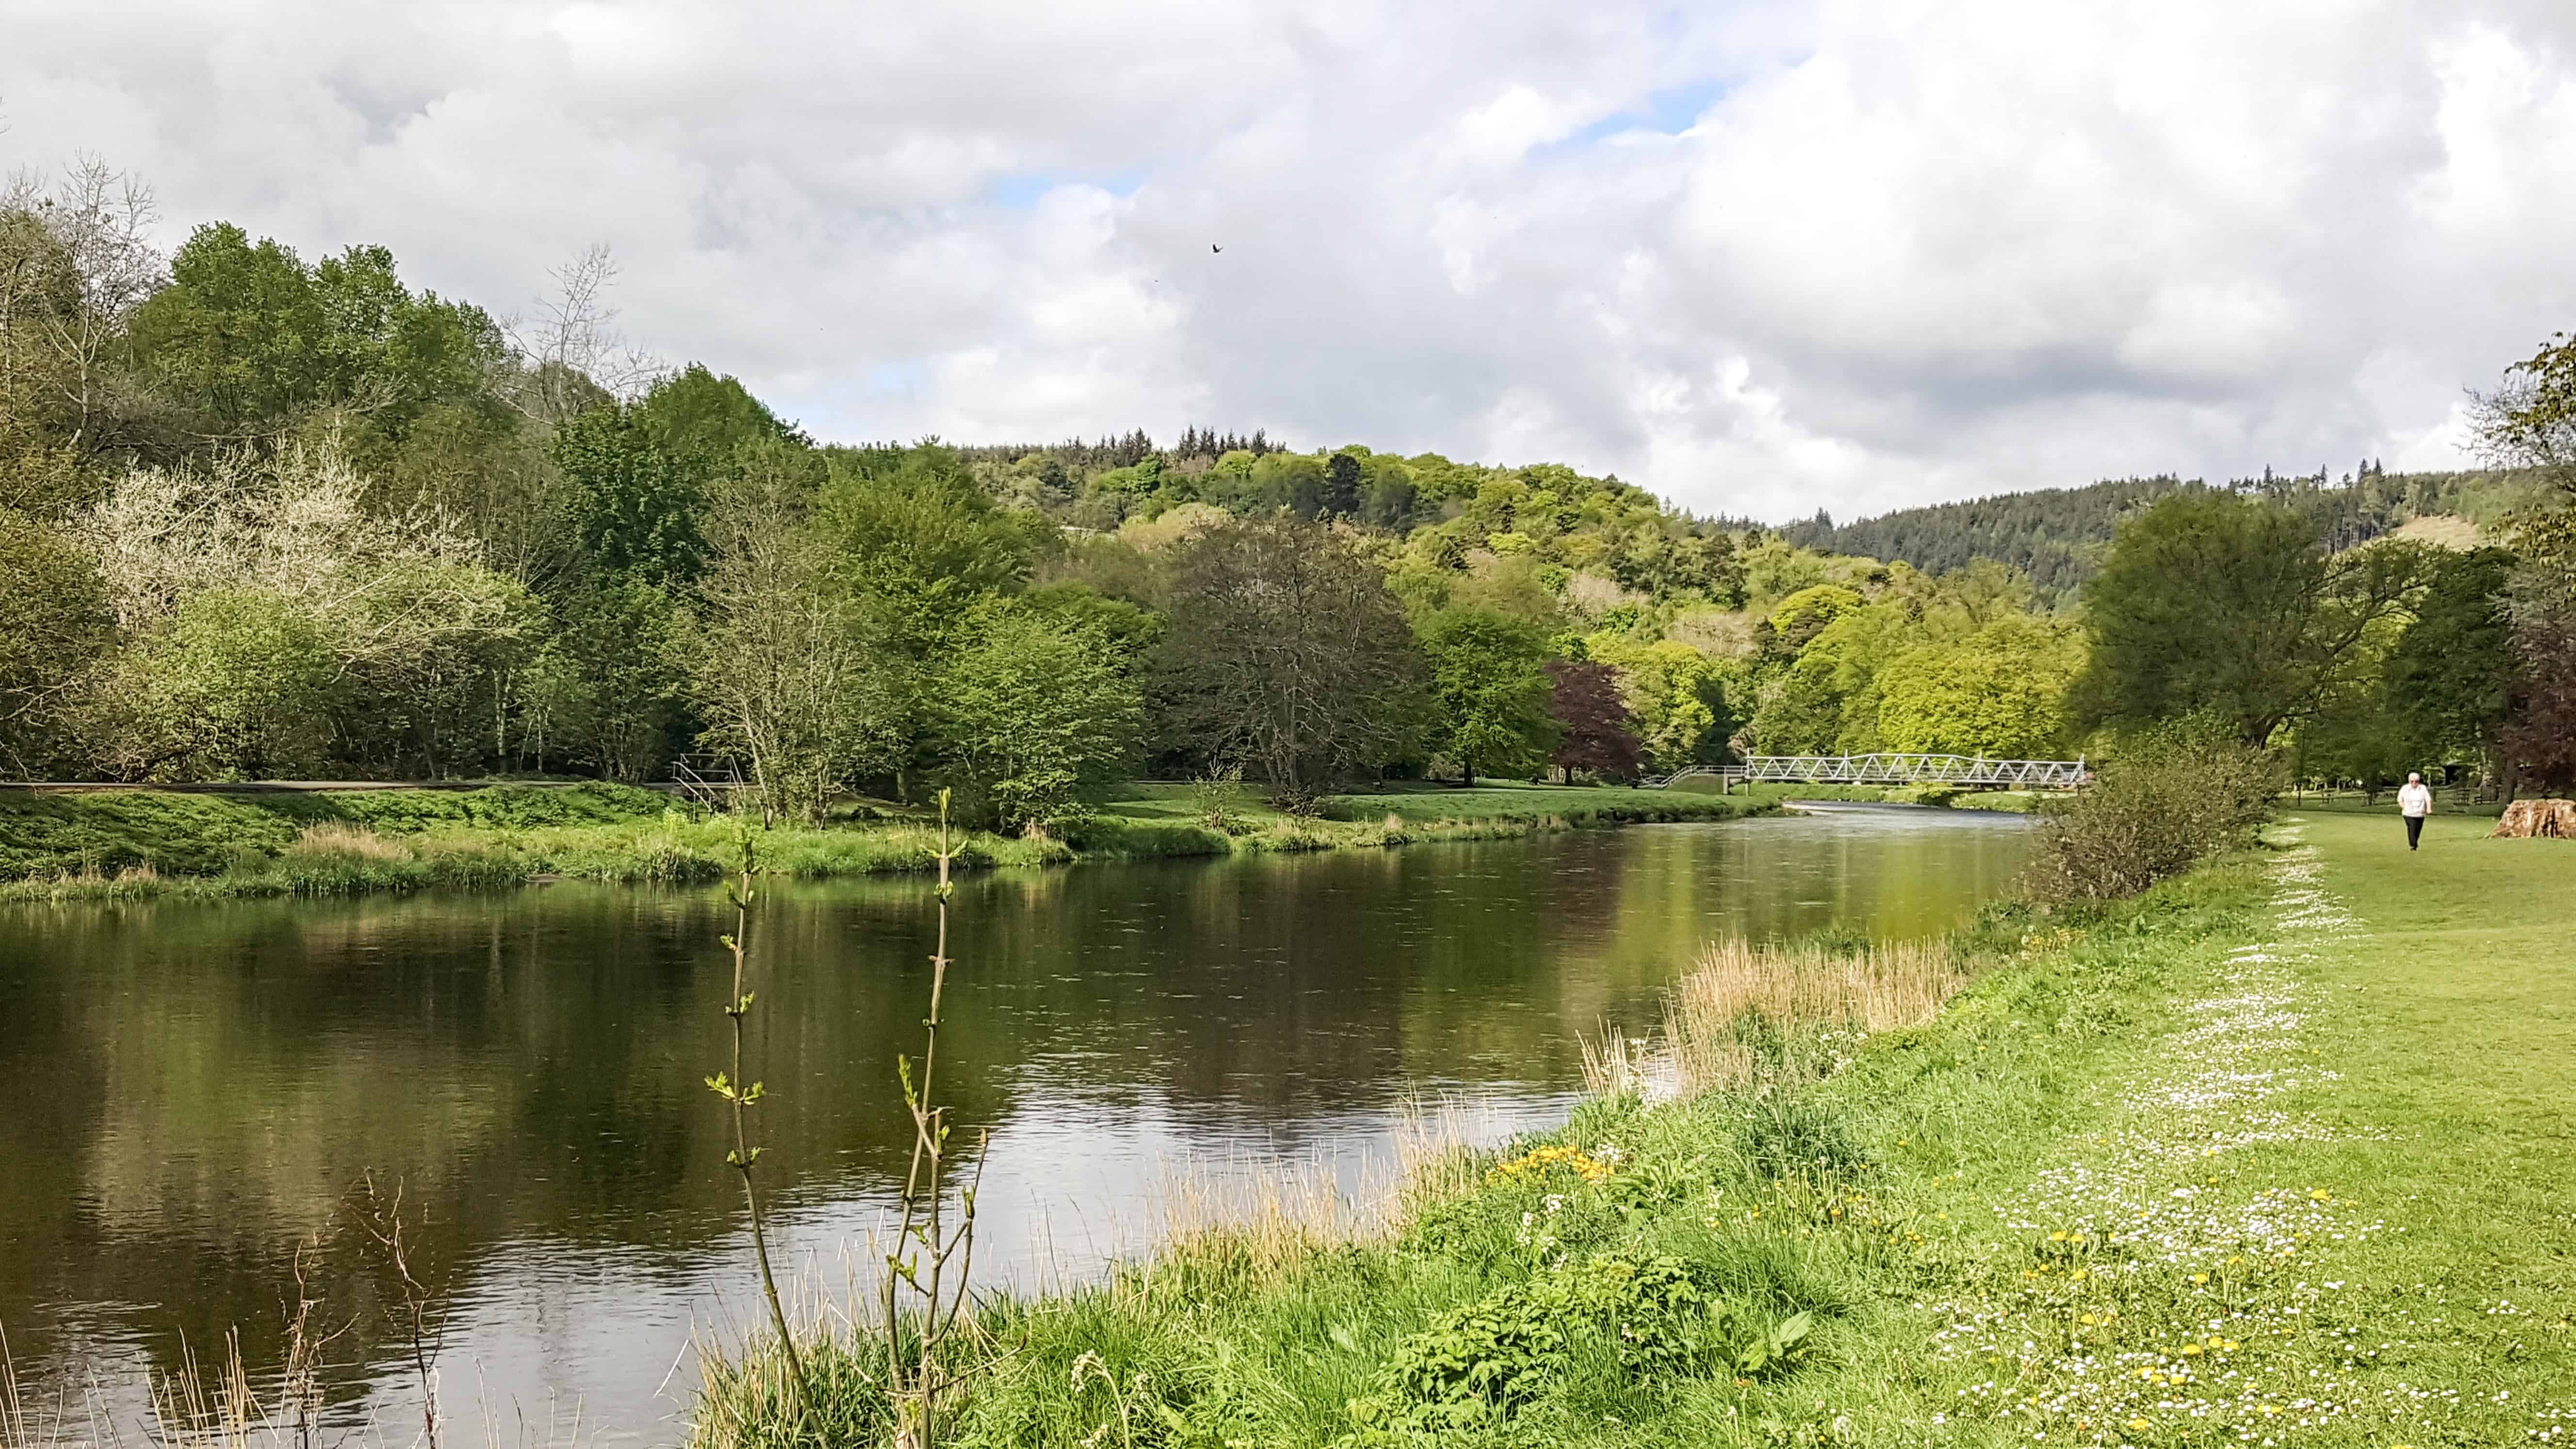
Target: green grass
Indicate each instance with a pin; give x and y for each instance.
(176, 833)
(137, 843)
(2276, 1153)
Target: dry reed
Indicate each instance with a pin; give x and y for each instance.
(1892, 984)
(333, 837)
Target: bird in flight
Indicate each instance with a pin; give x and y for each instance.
(1213, 247)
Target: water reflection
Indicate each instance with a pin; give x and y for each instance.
(194, 1088)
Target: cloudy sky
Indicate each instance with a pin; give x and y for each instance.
(1764, 258)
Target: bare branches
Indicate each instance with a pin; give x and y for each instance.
(75, 262)
(573, 358)
(382, 1218)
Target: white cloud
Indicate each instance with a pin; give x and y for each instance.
(1765, 259)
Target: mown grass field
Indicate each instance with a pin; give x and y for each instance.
(2276, 1154)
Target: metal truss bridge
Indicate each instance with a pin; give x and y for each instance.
(1892, 769)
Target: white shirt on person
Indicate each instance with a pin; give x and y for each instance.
(2415, 799)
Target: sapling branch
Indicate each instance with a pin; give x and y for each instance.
(918, 1276)
(740, 1095)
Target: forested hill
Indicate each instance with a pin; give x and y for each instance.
(2057, 535)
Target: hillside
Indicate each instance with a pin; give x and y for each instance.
(2056, 535)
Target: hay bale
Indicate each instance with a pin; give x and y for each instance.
(2532, 819)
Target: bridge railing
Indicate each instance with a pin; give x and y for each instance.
(1891, 768)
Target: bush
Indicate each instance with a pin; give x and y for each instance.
(2175, 795)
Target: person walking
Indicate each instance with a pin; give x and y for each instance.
(2414, 801)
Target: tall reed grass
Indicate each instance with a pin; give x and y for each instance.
(1740, 994)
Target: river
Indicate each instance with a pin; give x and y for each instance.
(193, 1091)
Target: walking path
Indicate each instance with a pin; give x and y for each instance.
(2336, 1203)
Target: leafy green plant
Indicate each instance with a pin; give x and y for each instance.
(1754, 1344)
(1512, 1348)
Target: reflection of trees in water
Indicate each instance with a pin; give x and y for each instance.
(206, 1081)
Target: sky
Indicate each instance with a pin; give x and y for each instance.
(1764, 259)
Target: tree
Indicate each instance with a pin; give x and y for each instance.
(919, 538)
(611, 701)
(237, 684)
(1286, 655)
(2000, 693)
(1342, 486)
(1678, 696)
(246, 337)
(54, 621)
(779, 658)
(2531, 422)
(630, 507)
(1489, 693)
(2450, 676)
(1596, 733)
(706, 421)
(2540, 736)
(1035, 718)
(418, 630)
(1799, 618)
(2212, 602)
(74, 264)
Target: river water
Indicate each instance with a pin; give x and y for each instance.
(191, 1093)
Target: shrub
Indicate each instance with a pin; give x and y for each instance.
(2175, 795)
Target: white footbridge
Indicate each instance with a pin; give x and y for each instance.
(1964, 771)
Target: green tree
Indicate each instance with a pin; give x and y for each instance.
(237, 685)
(778, 657)
(1678, 696)
(2450, 676)
(247, 337)
(1286, 655)
(54, 621)
(706, 420)
(1489, 693)
(921, 539)
(1999, 693)
(610, 698)
(1799, 618)
(630, 508)
(75, 261)
(2229, 605)
(1035, 718)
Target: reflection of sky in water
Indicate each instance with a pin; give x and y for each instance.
(1132, 1036)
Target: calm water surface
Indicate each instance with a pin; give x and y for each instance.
(191, 1091)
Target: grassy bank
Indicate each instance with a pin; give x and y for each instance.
(138, 843)
(2182, 1170)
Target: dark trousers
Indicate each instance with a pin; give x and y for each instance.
(2414, 830)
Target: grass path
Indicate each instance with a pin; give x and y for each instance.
(2333, 1199)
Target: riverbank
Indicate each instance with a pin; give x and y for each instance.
(133, 844)
(2182, 1170)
